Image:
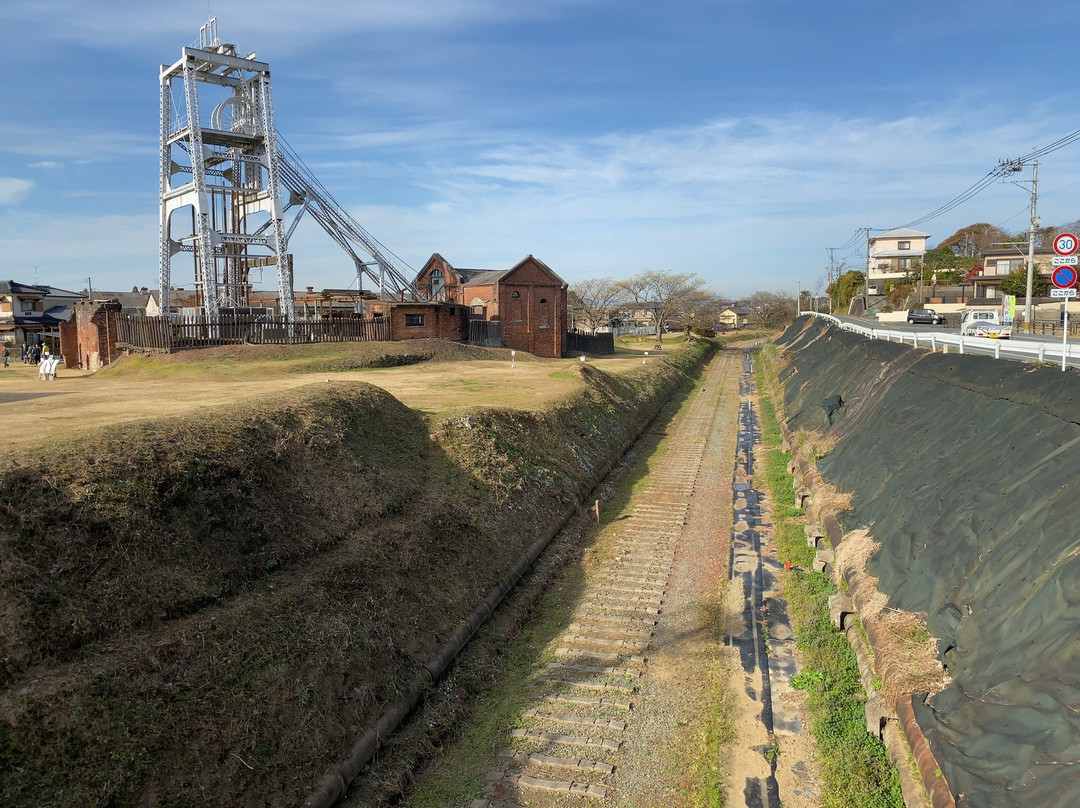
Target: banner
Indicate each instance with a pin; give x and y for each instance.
(1008, 308)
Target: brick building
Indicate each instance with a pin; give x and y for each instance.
(528, 300)
(88, 339)
(410, 320)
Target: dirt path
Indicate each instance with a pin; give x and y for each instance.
(618, 717)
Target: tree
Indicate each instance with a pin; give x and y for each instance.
(771, 310)
(593, 300)
(975, 239)
(845, 287)
(1015, 283)
(665, 294)
(949, 267)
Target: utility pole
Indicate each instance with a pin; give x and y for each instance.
(832, 268)
(866, 277)
(1011, 167)
(1031, 245)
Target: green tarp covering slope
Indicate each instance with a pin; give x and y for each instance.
(967, 471)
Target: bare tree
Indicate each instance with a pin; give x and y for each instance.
(772, 310)
(664, 294)
(593, 301)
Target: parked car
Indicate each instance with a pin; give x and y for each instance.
(984, 321)
(925, 316)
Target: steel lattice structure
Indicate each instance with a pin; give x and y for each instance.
(238, 166)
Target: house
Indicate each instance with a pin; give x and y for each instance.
(996, 264)
(528, 300)
(32, 313)
(893, 255)
(137, 301)
(734, 317)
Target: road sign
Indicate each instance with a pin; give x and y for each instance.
(1063, 277)
(1065, 260)
(1068, 293)
(1066, 244)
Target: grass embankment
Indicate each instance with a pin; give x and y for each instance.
(854, 765)
(209, 609)
(508, 654)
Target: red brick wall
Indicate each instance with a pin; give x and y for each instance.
(447, 321)
(486, 293)
(527, 324)
(531, 325)
(88, 339)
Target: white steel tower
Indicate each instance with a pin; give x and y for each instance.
(220, 175)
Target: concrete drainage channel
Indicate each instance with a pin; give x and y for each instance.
(568, 745)
(763, 639)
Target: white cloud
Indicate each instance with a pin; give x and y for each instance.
(13, 190)
(46, 164)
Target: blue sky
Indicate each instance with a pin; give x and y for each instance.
(733, 139)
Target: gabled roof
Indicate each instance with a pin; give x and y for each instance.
(129, 300)
(484, 277)
(900, 232)
(14, 287)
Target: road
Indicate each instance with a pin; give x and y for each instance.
(972, 345)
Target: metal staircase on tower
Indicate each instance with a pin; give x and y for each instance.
(223, 175)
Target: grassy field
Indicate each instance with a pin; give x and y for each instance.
(437, 378)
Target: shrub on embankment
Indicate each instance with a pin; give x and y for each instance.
(210, 609)
(964, 469)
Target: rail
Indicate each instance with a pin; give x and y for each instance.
(1014, 350)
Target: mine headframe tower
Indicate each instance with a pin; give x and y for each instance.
(227, 213)
(231, 175)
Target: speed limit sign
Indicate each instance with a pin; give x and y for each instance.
(1066, 244)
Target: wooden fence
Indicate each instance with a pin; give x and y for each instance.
(141, 333)
(590, 343)
(485, 332)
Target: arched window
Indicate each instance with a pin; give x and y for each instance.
(477, 306)
(545, 316)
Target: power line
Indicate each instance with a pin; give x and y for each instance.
(1004, 168)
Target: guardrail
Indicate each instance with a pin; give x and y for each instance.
(1015, 350)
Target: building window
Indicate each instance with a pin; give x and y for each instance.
(477, 306)
(27, 305)
(414, 320)
(903, 245)
(545, 321)
(515, 307)
(903, 263)
(438, 284)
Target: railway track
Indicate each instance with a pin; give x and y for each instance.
(602, 705)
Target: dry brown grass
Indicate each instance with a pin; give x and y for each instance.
(905, 653)
(814, 444)
(437, 378)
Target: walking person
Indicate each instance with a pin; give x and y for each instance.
(7, 354)
(22, 351)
